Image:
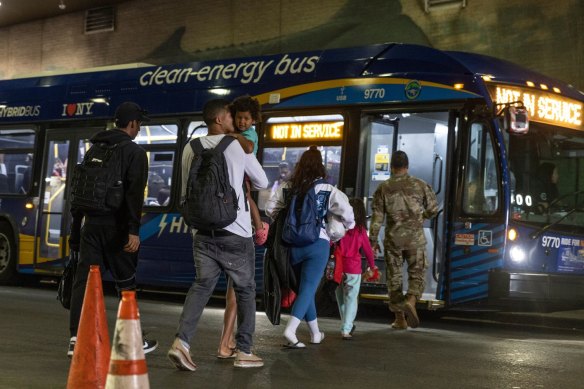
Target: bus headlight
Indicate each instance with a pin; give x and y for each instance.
(517, 254)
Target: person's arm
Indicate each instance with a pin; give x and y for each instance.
(431, 203)
(255, 172)
(187, 160)
(339, 205)
(367, 250)
(136, 179)
(75, 233)
(246, 144)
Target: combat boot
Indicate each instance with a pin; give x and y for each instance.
(400, 322)
(410, 311)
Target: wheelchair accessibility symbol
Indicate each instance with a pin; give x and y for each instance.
(485, 238)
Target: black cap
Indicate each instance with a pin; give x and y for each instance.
(128, 111)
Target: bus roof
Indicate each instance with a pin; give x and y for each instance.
(398, 72)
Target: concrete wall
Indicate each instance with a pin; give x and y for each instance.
(543, 35)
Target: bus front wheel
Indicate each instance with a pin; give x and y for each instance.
(7, 255)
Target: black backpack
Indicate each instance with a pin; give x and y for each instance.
(97, 185)
(303, 223)
(211, 202)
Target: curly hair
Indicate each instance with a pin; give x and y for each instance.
(246, 103)
(308, 169)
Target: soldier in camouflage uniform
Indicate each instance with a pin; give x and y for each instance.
(405, 202)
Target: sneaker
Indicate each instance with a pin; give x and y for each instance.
(180, 356)
(149, 345)
(247, 360)
(72, 342)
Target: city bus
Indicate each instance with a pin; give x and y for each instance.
(479, 130)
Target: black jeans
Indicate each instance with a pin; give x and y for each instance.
(101, 244)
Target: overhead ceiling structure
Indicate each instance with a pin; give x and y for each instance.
(22, 11)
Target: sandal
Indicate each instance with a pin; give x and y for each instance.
(223, 356)
(261, 235)
(294, 345)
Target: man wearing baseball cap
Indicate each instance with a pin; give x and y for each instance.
(128, 111)
(111, 238)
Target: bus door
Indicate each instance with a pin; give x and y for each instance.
(424, 136)
(476, 241)
(63, 149)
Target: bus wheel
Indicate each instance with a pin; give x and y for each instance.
(7, 255)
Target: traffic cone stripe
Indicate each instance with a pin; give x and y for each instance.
(128, 367)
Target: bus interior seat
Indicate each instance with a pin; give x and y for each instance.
(19, 172)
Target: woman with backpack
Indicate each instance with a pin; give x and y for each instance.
(310, 193)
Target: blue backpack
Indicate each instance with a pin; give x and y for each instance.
(303, 223)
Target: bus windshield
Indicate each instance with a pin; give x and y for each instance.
(547, 176)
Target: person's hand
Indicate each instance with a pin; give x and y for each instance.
(133, 244)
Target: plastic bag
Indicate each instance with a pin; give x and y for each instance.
(66, 282)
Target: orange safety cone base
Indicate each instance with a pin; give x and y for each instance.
(90, 362)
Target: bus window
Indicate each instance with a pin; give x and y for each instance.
(159, 141)
(279, 163)
(197, 129)
(16, 152)
(480, 193)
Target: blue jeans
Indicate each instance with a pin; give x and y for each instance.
(308, 263)
(234, 255)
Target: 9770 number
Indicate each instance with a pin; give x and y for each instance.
(550, 241)
(374, 93)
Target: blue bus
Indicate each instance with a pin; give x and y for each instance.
(502, 233)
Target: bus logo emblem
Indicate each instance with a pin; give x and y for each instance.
(413, 89)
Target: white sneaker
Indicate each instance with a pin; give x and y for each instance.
(247, 360)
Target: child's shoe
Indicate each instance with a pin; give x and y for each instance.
(261, 235)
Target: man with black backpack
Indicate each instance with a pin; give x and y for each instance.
(216, 209)
(107, 192)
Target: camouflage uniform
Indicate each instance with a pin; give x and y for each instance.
(405, 201)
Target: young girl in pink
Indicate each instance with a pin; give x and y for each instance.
(349, 251)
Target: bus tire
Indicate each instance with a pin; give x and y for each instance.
(7, 255)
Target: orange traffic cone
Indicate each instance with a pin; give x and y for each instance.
(92, 351)
(127, 367)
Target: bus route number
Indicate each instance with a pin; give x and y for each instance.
(374, 93)
(550, 241)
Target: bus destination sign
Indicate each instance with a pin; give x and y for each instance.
(306, 131)
(542, 106)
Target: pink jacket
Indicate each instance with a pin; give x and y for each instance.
(349, 249)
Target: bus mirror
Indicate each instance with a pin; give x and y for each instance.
(516, 120)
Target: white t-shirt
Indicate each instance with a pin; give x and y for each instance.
(239, 164)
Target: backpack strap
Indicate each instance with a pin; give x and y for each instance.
(226, 141)
(197, 146)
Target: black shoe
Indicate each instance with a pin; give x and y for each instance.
(149, 345)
